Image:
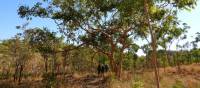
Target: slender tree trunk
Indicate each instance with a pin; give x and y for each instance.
(92, 61)
(53, 70)
(146, 61)
(165, 59)
(65, 55)
(20, 73)
(112, 63)
(168, 59)
(46, 63)
(16, 72)
(153, 44)
(154, 58)
(120, 65)
(178, 64)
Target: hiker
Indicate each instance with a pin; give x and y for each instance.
(102, 68)
(99, 69)
(106, 68)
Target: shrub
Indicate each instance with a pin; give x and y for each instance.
(178, 84)
(50, 79)
(137, 84)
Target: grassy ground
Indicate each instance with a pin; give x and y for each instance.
(189, 77)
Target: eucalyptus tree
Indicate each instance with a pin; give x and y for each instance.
(130, 61)
(15, 48)
(111, 22)
(196, 41)
(106, 26)
(57, 44)
(179, 47)
(195, 50)
(187, 54)
(25, 54)
(19, 51)
(146, 48)
(43, 41)
(159, 16)
(11, 49)
(6, 57)
(167, 37)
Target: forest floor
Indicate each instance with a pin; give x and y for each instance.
(188, 77)
(69, 81)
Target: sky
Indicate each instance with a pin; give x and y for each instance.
(9, 19)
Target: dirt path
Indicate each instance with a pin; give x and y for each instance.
(89, 81)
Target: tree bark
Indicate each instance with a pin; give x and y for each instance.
(153, 44)
(54, 63)
(154, 58)
(119, 66)
(165, 59)
(112, 63)
(20, 73)
(46, 63)
(16, 72)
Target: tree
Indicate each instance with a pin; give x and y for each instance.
(156, 14)
(43, 41)
(100, 19)
(24, 56)
(195, 51)
(17, 49)
(111, 20)
(6, 59)
(146, 49)
(196, 41)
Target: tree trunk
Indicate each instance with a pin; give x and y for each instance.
(165, 59)
(53, 70)
(16, 72)
(146, 61)
(46, 64)
(119, 66)
(65, 55)
(153, 44)
(116, 67)
(154, 58)
(178, 64)
(112, 64)
(169, 59)
(20, 73)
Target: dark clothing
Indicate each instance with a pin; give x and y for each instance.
(99, 69)
(106, 68)
(102, 68)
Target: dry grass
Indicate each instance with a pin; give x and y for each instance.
(188, 78)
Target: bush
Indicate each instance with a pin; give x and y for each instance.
(178, 84)
(137, 84)
(5, 75)
(50, 79)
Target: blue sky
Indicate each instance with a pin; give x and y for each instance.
(9, 19)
